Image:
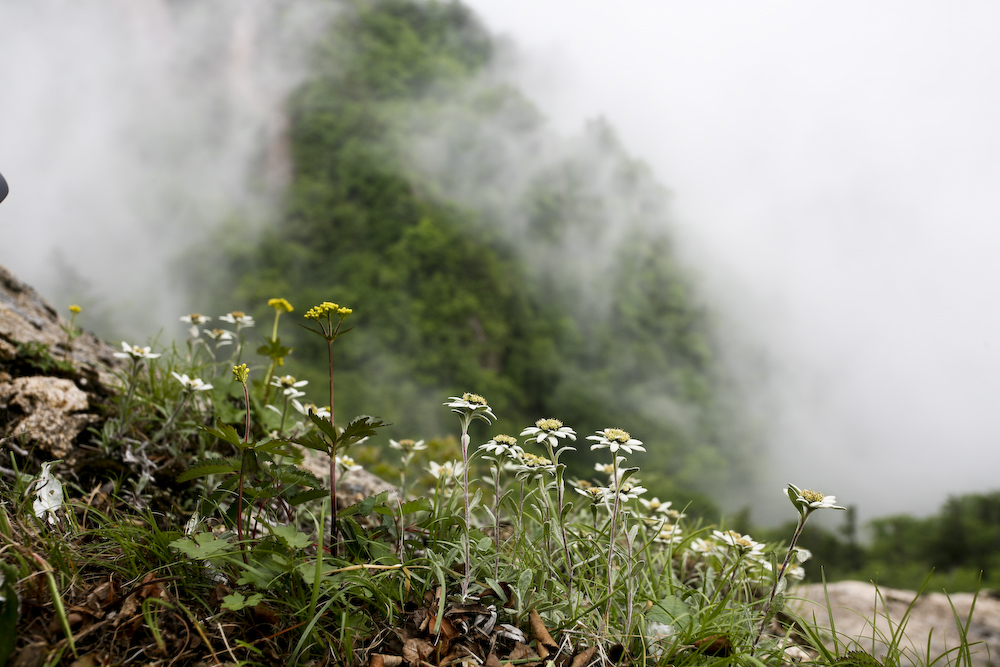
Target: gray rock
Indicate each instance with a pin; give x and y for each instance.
(861, 612)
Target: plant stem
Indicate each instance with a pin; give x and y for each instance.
(239, 499)
(468, 517)
(777, 578)
(334, 532)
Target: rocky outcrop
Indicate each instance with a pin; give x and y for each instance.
(49, 392)
(861, 612)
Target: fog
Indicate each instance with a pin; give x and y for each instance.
(128, 131)
(835, 173)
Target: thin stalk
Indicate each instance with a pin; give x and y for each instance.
(334, 533)
(468, 516)
(777, 579)
(239, 498)
(562, 524)
(611, 549)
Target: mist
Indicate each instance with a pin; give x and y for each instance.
(129, 131)
(834, 176)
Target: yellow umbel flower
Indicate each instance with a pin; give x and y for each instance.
(241, 373)
(280, 305)
(74, 309)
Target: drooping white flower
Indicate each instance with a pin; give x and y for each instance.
(135, 352)
(48, 494)
(191, 384)
(194, 319)
(220, 336)
(345, 464)
(626, 492)
(615, 439)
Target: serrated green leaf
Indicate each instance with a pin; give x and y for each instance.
(202, 546)
(290, 536)
(418, 505)
(306, 496)
(224, 431)
(236, 601)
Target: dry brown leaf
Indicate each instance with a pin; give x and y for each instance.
(583, 658)
(540, 633)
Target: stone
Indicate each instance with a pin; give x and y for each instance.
(42, 410)
(860, 611)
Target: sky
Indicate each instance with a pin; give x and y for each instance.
(834, 168)
(835, 172)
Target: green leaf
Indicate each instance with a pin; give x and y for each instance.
(236, 601)
(225, 432)
(306, 496)
(360, 427)
(670, 610)
(418, 505)
(210, 467)
(290, 536)
(202, 546)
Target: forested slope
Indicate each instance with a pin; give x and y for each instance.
(482, 252)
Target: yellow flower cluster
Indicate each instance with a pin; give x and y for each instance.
(549, 425)
(617, 435)
(812, 496)
(241, 373)
(327, 309)
(280, 305)
(533, 461)
(74, 309)
(505, 440)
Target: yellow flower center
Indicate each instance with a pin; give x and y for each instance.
(617, 435)
(533, 461)
(549, 425)
(505, 440)
(237, 314)
(475, 399)
(812, 496)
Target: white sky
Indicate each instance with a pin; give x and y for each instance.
(836, 173)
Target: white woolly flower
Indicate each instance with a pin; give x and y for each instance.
(448, 471)
(615, 439)
(48, 494)
(305, 408)
(502, 445)
(220, 336)
(742, 543)
(408, 446)
(471, 406)
(808, 501)
(549, 429)
(347, 465)
(239, 318)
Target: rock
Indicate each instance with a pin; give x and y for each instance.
(861, 611)
(48, 394)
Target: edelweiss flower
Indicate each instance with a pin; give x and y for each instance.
(615, 439)
(192, 384)
(471, 406)
(549, 429)
(808, 501)
(239, 318)
(530, 466)
(669, 533)
(503, 444)
(135, 352)
(742, 543)
(450, 470)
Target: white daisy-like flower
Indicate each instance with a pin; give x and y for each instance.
(220, 336)
(549, 429)
(408, 446)
(531, 466)
(808, 501)
(448, 471)
(471, 406)
(239, 318)
(345, 465)
(743, 543)
(194, 319)
(503, 444)
(287, 382)
(135, 352)
(615, 439)
(191, 384)
(703, 547)
(305, 408)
